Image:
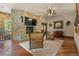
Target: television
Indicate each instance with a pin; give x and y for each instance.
(30, 21)
(34, 22)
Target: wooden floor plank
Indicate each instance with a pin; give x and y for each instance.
(68, 48)
(12, 48)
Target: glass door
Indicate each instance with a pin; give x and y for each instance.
(5, 29)
(1, 29)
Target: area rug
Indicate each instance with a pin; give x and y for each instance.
(50, 48)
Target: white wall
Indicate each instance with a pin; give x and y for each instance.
(65, 14)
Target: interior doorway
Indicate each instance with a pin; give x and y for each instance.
(44, 30)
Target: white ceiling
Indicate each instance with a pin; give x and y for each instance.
(39, 8)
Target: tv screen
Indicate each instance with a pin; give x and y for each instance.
(31, 22)
(26, 21)
(34, 22)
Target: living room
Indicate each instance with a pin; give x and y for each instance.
(37, 27)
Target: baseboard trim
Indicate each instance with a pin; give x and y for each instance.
(68, 36)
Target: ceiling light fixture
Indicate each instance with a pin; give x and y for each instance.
(51, 12)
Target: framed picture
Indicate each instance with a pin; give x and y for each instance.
(58, 24)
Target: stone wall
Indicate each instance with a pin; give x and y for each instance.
(18, 27)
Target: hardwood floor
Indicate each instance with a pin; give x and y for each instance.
(68, 48)
(13, 49)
